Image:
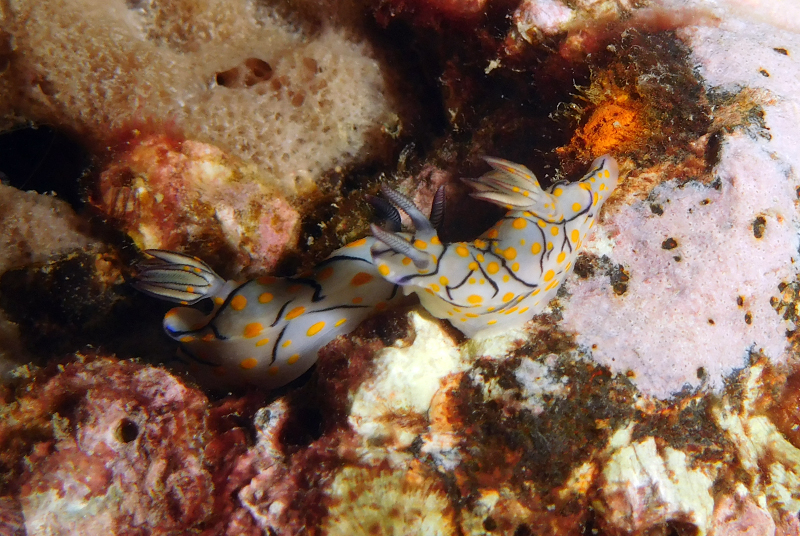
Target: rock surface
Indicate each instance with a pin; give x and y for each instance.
(33, 227)
(656, 396)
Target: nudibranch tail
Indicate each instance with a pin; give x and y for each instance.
(176, 277)
(608, 180)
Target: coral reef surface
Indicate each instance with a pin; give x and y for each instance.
(706, 262)
(655, 396)
(117, 448)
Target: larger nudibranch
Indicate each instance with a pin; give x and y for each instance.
(266, 331)
(510, 272)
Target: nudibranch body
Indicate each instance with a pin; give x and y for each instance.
(510, 272)
(267, 331)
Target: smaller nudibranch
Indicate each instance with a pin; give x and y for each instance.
(513, 270)
(267, 331)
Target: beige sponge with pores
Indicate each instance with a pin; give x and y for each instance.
(295, 102)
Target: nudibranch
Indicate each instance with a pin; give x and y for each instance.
(267, 331)
(514, 269)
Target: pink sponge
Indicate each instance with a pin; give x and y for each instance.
(701, 277)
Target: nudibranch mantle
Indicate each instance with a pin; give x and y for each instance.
(511, 272)
(267, 331)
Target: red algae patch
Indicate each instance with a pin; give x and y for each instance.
(173, 194)
(785, 412)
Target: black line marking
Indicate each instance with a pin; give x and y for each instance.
(408, 278)
(377, 253)
(209, 325)
(566, 242)
(335, 307)
(463, 281)
(215, 315)
(275, 346)
(544, 249)
(217, 334)
(311, 283)
(280, 314)
(507, 305)
(511, 273)
(459, 305)
(514, 276)
(338, 258)
(489, 279)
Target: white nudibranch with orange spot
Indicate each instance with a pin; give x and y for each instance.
(267, 331)
(511, 272)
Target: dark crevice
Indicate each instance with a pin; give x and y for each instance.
(44, 160)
